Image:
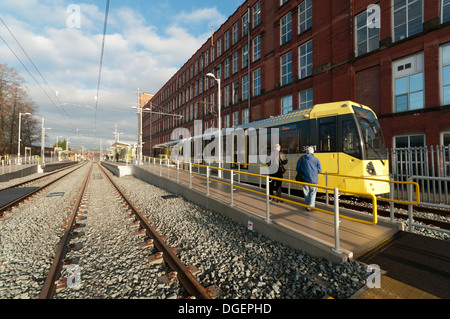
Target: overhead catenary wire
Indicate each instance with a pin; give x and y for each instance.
(66, 117)
(101, 63)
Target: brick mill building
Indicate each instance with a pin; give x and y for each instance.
(275, 56)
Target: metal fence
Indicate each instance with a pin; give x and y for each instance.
(431, 164)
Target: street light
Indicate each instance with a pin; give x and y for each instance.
(141, 110)
(43, 141)
(210, 75)
(18, 144)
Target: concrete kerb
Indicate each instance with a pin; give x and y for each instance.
(19, 173)
(275, 230)
(117, 169)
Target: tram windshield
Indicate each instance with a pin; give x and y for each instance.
(373, 141)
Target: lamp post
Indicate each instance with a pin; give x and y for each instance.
(141, 110)
(43, 141)
(210, 75)
(139, 135)
(19, 140)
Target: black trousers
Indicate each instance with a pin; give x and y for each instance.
(276, 184)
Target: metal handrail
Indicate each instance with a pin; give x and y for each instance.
(268, 196)
(373, 197)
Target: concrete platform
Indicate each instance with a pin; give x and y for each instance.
(50, 167)
(24, 170)
(312, 232)
(118, 169)
(11, 194)
(415, 267)
(393, 289)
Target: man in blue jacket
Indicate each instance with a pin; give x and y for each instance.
(310, 168)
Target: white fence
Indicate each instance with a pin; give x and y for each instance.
(431, 162)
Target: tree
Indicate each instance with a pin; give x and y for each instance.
(14, 99)
(62, 144)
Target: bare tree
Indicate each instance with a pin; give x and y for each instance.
(14, 99)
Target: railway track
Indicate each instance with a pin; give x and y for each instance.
(4, 209)
(360, 204)
(142, 229)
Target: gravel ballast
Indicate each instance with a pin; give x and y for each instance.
(242, 263)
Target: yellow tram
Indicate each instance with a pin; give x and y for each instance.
(346, 137)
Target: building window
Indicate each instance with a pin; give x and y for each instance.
(286, 104)
(206, 106)
(219, 71)
(235, 33)
(235, 62)
(408, 18)
(446, 74)
(409, 141)
(236, 118)
(227, 121)
(283, 2)
(445, 10)
(286, 28)
(219, 47)
(256, 48)
(227, 40)
(226, 96)
(286, 68)
(304, 16)
(245, 56)
(305, 59)
(245, 87)
(235, 92)
(367, 38)
(245, 24)
(245, 116)
(408, 83)
(306, 99)
(445, 138)
(213, 102)
(226, 66)
(257, 82)
(256, 14)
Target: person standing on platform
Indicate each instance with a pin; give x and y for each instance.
(310, 167)
(277, 159)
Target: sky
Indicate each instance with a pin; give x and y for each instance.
(56, 46)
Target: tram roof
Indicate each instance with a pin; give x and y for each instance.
(293, 116)
(163, 145)
(334, 108)
(317, 111)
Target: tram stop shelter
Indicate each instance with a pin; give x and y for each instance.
(126, 151)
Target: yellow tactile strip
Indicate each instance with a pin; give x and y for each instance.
(394, 289)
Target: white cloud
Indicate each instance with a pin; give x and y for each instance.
(209, 15)
(137, 55)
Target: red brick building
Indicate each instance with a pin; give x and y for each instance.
(281, 55)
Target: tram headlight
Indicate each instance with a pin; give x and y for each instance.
(371, 169)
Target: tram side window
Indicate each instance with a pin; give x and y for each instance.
(350, 139)
(327, 138)
(289, 142)
(304, 136)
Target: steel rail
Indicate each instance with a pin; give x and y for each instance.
(49, 287)
(185, 277)
(37, 178)
(386, 213)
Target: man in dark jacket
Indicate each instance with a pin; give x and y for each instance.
(310, 168)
